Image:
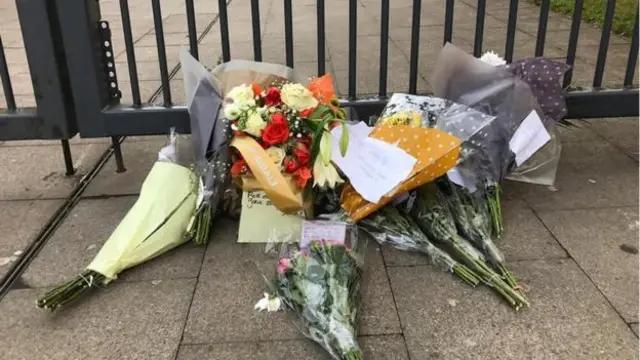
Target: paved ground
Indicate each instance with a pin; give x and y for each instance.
(197, 303)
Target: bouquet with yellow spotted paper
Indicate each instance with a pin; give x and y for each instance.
(432, 130)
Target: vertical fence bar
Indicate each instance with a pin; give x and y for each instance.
(162, 52)
(68, 160)
(321, 38)
(604, 43)
(6, 81)
(573, 41)
(633, 56)
(255, 21)
(415, 47)
(477, 44)
(511, 30)
(131, 56)
(384, 47)
(353, 46)
(542, 27)
(288, 32)
(191, 26)
(223, 18)
(448, 21)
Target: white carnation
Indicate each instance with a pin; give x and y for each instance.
(492, 58)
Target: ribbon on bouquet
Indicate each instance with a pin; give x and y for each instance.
(282, 190)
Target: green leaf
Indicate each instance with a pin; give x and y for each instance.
(325, 147)
(344, 140)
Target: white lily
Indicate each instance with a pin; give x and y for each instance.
(492, 58)
(325, 175)
(268, 303)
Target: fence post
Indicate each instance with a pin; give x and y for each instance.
(82, 40)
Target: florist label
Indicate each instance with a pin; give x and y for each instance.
(332, 231)
(260, 220)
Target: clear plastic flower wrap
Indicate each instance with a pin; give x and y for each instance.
(319, 280)
(391, 227)
(495, 91)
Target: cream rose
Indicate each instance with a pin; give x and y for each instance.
(297, 97)
(254, 124)
(242, 96)
(276, 154)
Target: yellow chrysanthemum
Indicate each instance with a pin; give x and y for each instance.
(411, 118)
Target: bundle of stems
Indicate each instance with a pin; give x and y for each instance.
(389, 226)
(433, 217)
(72, 290)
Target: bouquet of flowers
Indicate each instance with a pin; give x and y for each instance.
(430, 212)
(433, 131)
(155, 224)
(320, 282)
(390, 226)
(282, 139)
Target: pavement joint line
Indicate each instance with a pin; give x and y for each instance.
(604, 207)
(52, 225)
(579, 266)
(268, 341)
(395, 303)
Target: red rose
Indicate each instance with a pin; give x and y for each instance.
(277, 131)
(301, 152)
(290, 165)
(273, 97)
(306, 113)
(304, 174)
(239, 167)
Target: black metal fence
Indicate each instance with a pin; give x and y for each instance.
(72, 64)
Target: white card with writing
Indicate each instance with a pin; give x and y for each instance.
(260, 219)
(322, 231)
(375, 167)
(530, 136)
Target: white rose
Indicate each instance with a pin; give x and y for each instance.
(276, 154)
(242, 96)
(297, 97)
(254, 124)
(232, 111)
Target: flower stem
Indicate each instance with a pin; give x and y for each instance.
(71, 290)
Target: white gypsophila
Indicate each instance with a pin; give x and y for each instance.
(492, 58)
(268, 303)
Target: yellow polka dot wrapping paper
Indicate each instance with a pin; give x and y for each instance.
(435, 150)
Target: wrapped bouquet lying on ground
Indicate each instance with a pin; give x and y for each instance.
(155, 224)
(319, 280)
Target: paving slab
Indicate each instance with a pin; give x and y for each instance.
(21, 221)
(569, 318)
(604, 242)
(634, 327)
(524, 238)
(139, 156)
(139, 321)
(590, 174)
(231, 268)
(81, 236)
(38, 172)
(620, 132)
(386, 347)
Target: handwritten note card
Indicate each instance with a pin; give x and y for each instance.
(529, 138)
(259, 220)
(375, 168)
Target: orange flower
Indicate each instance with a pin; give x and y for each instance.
(257, 89)
(304, 174)
(322, 89)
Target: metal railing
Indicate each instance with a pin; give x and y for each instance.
(88, 93)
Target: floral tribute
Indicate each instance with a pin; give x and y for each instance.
(291, 122)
